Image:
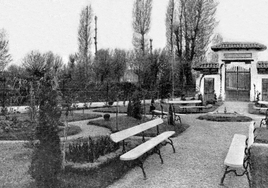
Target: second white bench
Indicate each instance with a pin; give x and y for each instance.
(239, 153)
(148, 147)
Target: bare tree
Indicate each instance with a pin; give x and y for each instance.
(194, 25)
(34, 64)
(141, 22)
(213, 56)
(84, 39)
(170, 25)
(5, 57)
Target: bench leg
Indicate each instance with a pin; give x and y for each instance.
(234, 171)
(223, 177)
(140, 164)
(158, 152)
(169, 142)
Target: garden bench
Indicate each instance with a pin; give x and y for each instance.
(239, 153)
(146, 148)
(163, 114)
(265, 119)
(199, 108)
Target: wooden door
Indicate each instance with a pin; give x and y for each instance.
(265, 89)
(208, 89)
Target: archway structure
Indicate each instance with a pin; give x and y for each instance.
(237, 76)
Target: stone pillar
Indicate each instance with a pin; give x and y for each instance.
(259, 162)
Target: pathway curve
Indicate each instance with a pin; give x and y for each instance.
(87, 129)
(198, 161)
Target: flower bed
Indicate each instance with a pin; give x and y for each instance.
(222, 117)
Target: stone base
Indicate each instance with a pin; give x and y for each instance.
(259, 161)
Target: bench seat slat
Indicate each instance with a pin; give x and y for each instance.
(146, 146)
(251, 134)
(235, 155)
(119, 136)
(160, 112)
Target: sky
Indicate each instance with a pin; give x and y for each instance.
(52, 25)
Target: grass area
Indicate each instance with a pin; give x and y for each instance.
(79, 116)
(123, 109)
(125, 122)
(225, 117)
(16, 156)
(24, 129)
(70, 130)
(14, 162)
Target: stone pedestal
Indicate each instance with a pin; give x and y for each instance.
(259, 162)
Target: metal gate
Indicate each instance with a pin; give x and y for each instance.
(237, 84)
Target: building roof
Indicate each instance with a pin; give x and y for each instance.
(262, 64)
(238, 46)
(207, 66)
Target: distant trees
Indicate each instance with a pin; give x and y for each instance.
(213, 56)
(193, 25)
(5, 57)
(36, 64)
(84, 43)
(141, 25)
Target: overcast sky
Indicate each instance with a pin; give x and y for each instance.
(53, 24)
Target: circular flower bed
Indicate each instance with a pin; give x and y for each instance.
(222, 117)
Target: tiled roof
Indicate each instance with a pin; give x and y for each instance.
(238, 45)
(262, 64)
(207, 66)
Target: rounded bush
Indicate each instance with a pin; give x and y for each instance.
(106, 117)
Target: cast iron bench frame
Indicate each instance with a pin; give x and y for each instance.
(149, 147)
(238, 156)
(265, 119)
(162, 114)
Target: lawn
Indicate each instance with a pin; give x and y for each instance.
(14, 162)
(24, 129)
(123, 109)
(15, 155)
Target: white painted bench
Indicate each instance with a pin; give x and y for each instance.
(239, 153)
(158, 113)
(265, 119)
(147, 147)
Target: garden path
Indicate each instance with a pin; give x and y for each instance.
(198, 161)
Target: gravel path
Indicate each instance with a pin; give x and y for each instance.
(198, 161)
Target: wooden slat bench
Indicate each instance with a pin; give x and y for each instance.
(148, 147)
(239, 153)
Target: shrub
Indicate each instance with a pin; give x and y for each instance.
(106, 117)
(129, 108)
(137, 111)
(46, 160)
(84, 151)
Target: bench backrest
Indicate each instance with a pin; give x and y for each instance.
(121, 135)
(251, 133)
